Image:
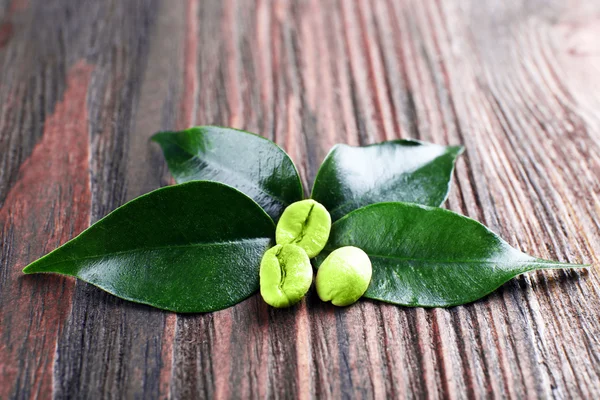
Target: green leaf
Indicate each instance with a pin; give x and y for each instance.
(429, 257)
(250, 163)
(399, 170)
(194, 247)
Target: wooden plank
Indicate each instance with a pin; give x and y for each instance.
(34, 311)
(512, 80)
(111, 347)
(44, 166)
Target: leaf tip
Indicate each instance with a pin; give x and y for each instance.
(35, 267)
(458, 150)
(157, 136)
(549, 264)
(48, 264)
(29, 269)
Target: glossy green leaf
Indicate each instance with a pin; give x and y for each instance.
(429, 257)
(194, 247)
(398, 170)
(250, 163)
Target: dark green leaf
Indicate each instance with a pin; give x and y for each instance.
(250, 163)
(194, 247)
(399, 170)
(429, 257)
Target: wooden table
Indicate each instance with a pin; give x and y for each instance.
(85, 83)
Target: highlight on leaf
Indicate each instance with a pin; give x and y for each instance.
(250, 163)
(398, 170)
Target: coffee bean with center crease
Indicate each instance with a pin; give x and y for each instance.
(285, 275)
(306, 224)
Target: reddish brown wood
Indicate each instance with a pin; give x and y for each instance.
(84, 84)
(5, 33)
(54, 181)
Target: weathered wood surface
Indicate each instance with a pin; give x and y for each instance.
(84, 83)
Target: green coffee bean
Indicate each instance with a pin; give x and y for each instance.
(306, 224)
(285, 275)
(344, 276)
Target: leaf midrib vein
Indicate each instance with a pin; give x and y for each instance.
(530, 262)
(137, 250)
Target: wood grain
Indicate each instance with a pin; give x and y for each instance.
(84, 83)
